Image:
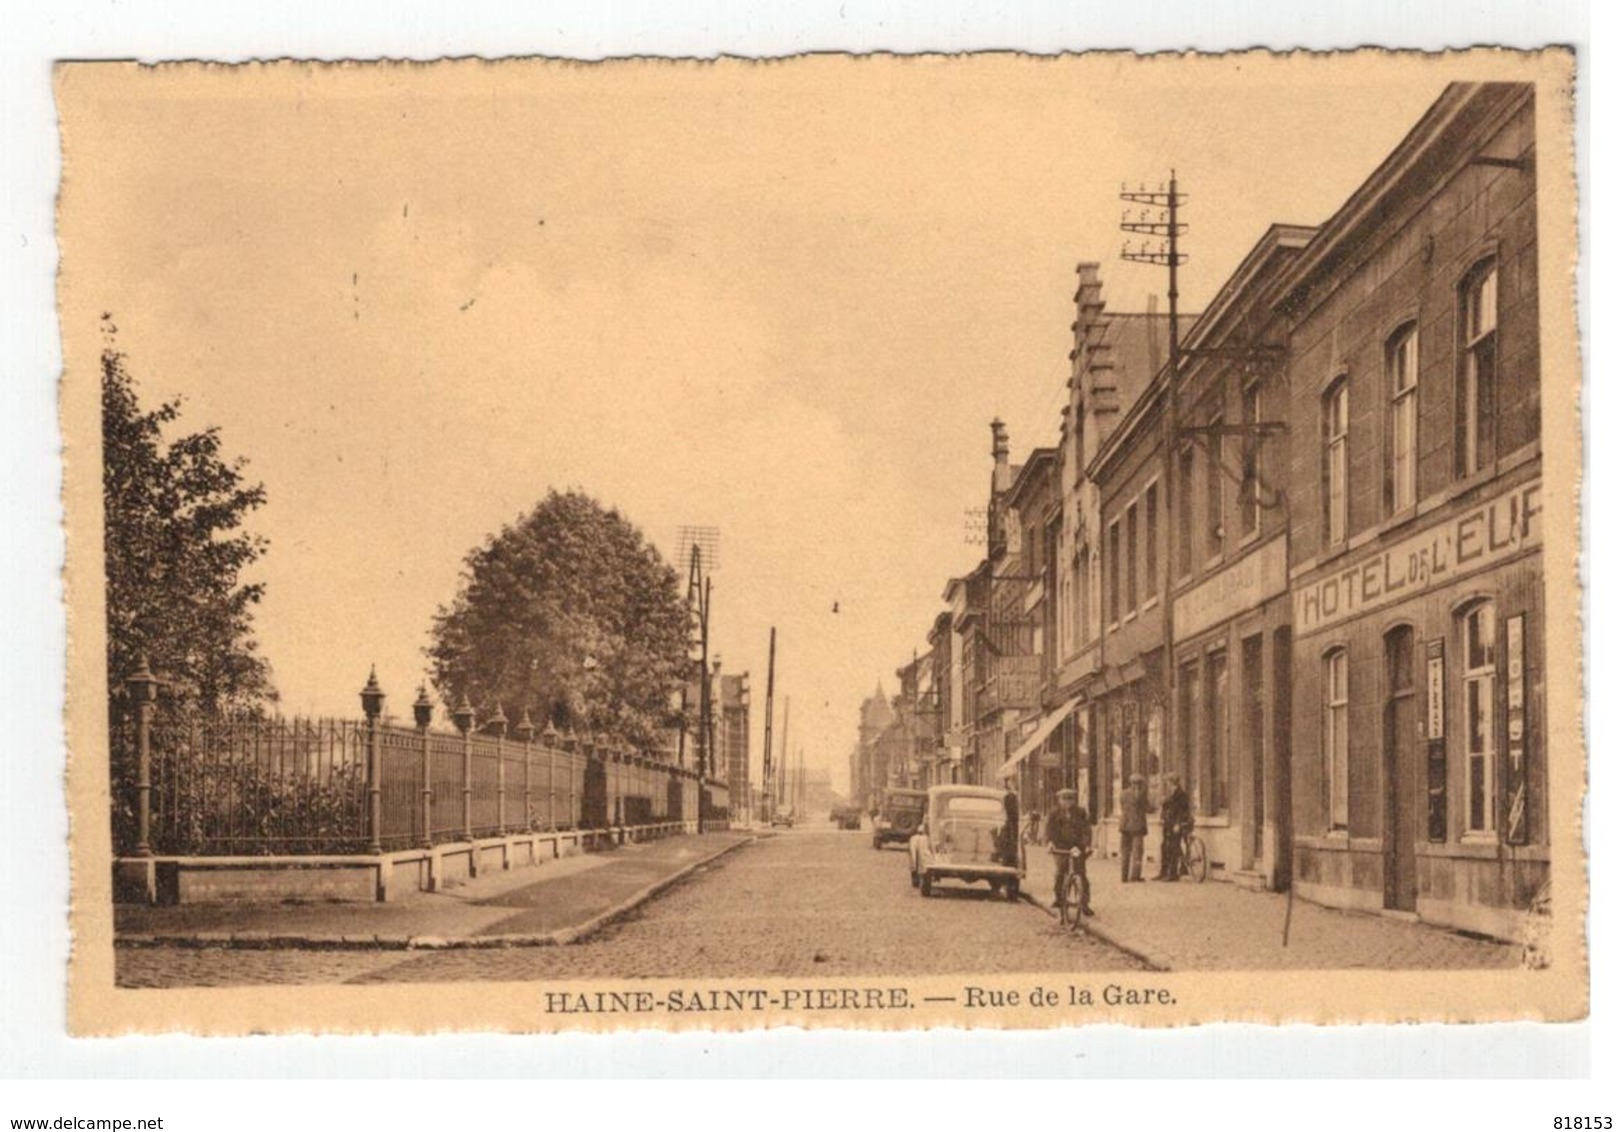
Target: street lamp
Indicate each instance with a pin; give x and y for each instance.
(371, 702)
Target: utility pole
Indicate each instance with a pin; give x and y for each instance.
(1156, 219)
(766, 782)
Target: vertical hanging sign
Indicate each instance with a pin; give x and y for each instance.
(1435, 693)
(1435, 671)
(1516, 828)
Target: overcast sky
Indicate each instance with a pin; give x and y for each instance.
(784, 300)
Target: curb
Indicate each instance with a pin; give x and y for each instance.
(603, 919)
(272, 941)
(1153, 960)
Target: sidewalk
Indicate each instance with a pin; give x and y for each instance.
(556, 902)
(1218, 925)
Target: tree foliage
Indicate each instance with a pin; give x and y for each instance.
(176, 553)
(571, 615)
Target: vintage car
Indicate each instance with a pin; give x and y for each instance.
(965, 837)
(782, 817)
(899, 816)
(846, 817)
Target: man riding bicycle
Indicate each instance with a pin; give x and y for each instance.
(1069, 833)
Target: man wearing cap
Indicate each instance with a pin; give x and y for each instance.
(1068, 828)
(1133, 829)
(1175, 819)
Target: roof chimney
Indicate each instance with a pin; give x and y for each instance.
(1001, 475)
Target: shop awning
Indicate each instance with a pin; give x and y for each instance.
(1036, 738)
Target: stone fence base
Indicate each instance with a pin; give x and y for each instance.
(358, 877)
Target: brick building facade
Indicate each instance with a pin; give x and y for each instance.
(1416, 564)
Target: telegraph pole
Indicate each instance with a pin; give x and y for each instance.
(766, 783)
(1156, 219)
(705, 704)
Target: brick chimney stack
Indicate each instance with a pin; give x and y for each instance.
(1001, 475)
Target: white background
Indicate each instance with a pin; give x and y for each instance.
(33, 940)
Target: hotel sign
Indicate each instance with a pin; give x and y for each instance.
(1483, 536)
(1241, 587)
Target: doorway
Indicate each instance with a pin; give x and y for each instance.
(1400, 772)
(1282, 783)
(1255, 751)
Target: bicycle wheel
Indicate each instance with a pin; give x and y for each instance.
(1198, 860)
(1069, 909)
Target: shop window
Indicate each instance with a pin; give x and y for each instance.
(1111, 757)
(1249, 492)
(1479, 633)
(1477, 381)
(1336, 462)
(1154, 732)
(1401, 449)
(1187, 718)
(1336, 738)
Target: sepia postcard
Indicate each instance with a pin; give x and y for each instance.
(880, 542)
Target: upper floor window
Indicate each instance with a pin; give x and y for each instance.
(1477, 383)
(1336, 461)
(1213, 518)
(1183, 533)
(1131, 557)
(1337, 739)
(1401, 452)
(1249, 493)
(1112, 568)
(1151, 540)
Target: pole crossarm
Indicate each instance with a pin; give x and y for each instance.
(1161, 259)
(1209, 432)
(1257, 352)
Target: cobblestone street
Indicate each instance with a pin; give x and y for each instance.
(807, 902)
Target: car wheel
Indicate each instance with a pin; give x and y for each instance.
(926, 885)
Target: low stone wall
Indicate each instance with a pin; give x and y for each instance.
(279, 880)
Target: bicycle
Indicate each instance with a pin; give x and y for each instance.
(1070, 892)
(1195, 862)
(1032, 828)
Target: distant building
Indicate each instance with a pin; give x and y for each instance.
(732, 737)
(869, 761)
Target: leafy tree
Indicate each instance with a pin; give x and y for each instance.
(175, 554)
(571, 615)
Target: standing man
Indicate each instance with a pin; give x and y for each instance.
(1133, 829)
(1068, 828)
(1175, 819)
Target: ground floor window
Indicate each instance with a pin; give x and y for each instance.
(1479, 676)
(1216, 744)
(1336, 738)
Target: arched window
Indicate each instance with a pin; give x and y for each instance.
(1477, 378)
(1337, 738)
(1336, 462)
(1477, 628)
(1401, 450)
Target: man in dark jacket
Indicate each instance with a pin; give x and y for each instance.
(1068, 828)
(1133, 829)
(1175, 819)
